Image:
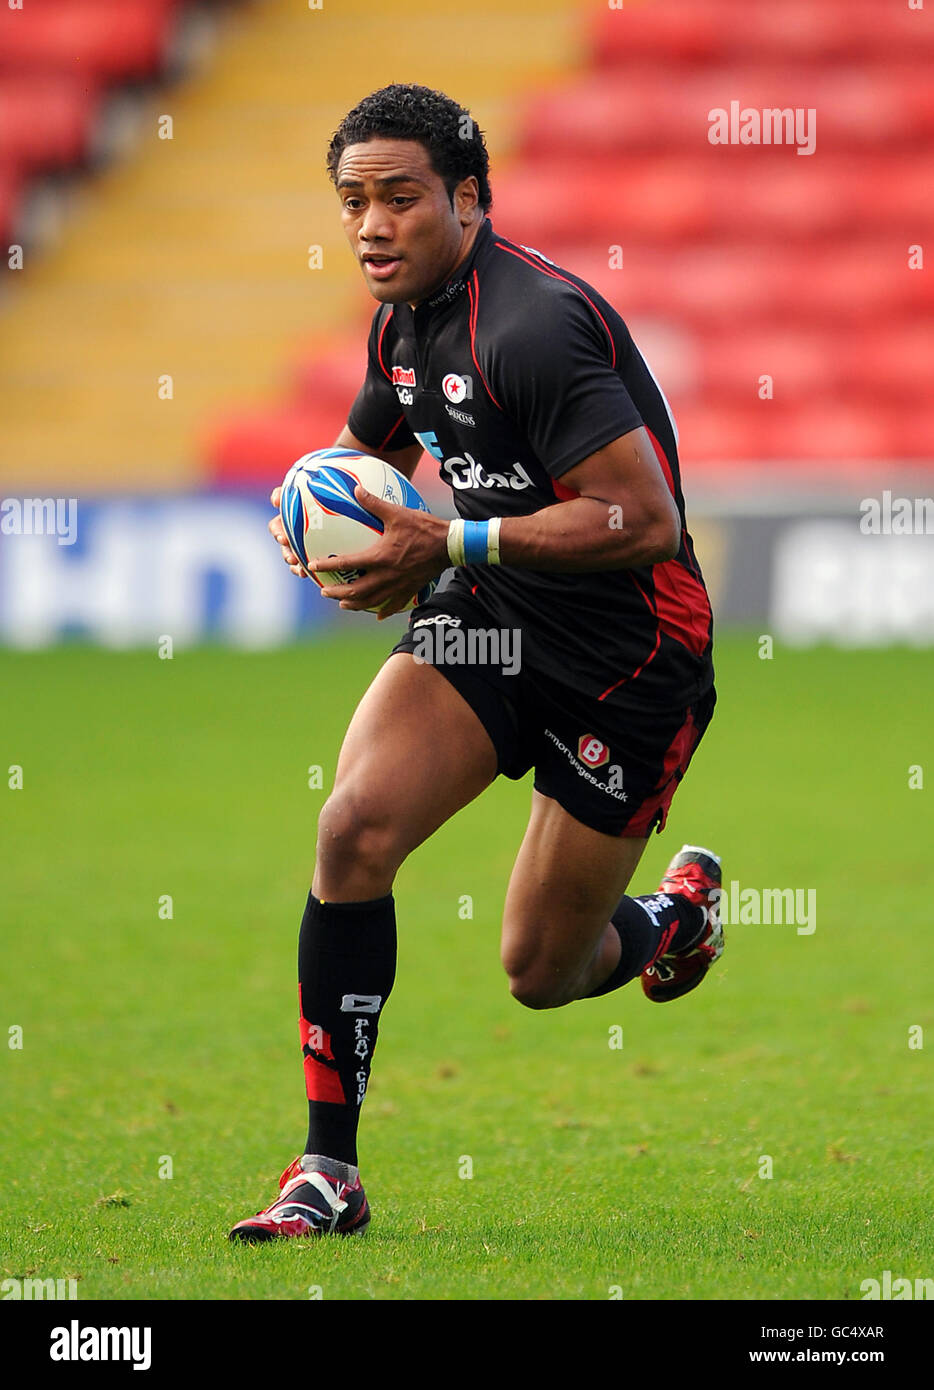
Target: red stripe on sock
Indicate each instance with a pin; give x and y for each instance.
(322, 1082)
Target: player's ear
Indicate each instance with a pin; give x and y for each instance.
(466, 199)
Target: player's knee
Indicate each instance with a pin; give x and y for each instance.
(356, 834)
(539, 987)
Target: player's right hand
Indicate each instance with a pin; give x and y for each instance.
(281, 539)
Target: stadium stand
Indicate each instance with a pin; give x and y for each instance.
(103, 40)
(737, 263)
(58, 61)
(189, 258)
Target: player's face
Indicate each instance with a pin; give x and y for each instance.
(399, 220)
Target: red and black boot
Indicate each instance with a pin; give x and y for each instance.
(695, 874)
(311, 1202)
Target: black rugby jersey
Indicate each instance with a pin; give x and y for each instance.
(512, 373)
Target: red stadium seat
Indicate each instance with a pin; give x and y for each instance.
(810, 31)
(898, 366)
(806, 363)
(864, 280)
(728, 281)
(616, 113)
(547, 201)
(47, 122)
(833, 431)
(335, 375)
(110, 39)
(798, 361)
(257, 449)
(724, 194)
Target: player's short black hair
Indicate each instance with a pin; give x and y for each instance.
(405, 111)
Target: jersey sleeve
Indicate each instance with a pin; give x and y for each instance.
(554, 375)
(376, 417)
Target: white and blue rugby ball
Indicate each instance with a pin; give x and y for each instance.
(322, 517)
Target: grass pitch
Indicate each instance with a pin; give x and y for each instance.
(155, 1043)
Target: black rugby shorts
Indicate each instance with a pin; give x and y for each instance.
(614, 767)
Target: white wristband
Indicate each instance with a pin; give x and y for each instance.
(482, 534)
(456, 543)
(492, 541)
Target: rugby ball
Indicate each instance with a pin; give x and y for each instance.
(322, 517)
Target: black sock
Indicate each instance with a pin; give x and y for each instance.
(346, 969)
(666, 920)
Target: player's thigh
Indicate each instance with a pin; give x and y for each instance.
(414, 754)
(566, 882)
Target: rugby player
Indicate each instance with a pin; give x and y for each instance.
(525, 385)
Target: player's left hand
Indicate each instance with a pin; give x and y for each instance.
(412, 550)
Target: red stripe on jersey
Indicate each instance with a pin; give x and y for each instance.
(669, 479)
(555, 276)
(379, 346)
(637, 672)
(658, 639)
(681, 600)
(392, 431)
(683, 607)
(473, 293)
(563, 493)
(663, 461)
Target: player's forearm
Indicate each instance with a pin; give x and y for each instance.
(587, 534)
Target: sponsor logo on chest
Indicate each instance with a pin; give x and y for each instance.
(403, 379)
(457, 388)
(466, 473)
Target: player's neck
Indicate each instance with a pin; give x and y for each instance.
(467, 245)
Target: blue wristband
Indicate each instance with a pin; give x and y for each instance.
(476, 535)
